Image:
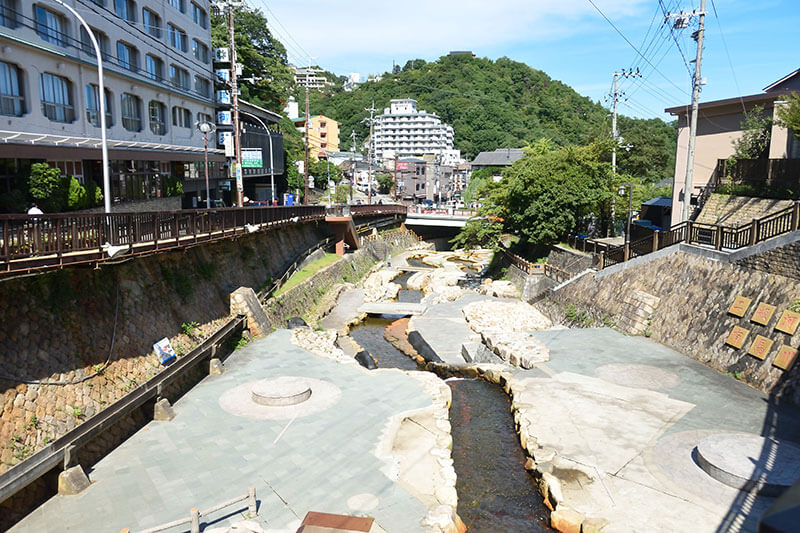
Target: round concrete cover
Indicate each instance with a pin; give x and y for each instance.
(239, 401)
(747, 461)
(638, 376)
(287, 390)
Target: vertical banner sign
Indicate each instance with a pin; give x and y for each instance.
(239, 184)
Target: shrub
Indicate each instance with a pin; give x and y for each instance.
(76, 195)
(94, 194)
(46, 187)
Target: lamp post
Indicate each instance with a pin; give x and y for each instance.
(101, 97)
(630, 208)
(205, 128)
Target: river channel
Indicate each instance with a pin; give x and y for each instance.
(495, 492)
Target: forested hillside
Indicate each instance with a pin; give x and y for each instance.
(502, 103)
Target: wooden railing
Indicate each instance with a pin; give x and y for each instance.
(711, 235)
(544, 269)
(39, 242)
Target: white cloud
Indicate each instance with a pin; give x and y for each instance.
(330, 32)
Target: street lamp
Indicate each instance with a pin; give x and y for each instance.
(205, 128)
(630, 208)
(101, 97)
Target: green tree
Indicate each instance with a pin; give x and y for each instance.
(47, 188)
(756, 130)
(789, 114)
(342, 194)
(94, 194)
(385, 182)
(76, 195)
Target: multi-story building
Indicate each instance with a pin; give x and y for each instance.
(323, 135)
(157, 75)
(310, 77)
(409, 132)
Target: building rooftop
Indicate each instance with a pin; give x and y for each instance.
(501, 157)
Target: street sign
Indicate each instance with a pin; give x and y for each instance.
(225, 118)
(252, 158)
(223, 55)
(223, 97)
(239, 184)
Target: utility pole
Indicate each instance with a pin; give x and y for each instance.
(237, 139)
(352, 165)
(615, 96)
(394, 177)
(305, 167)
(682, 21)
(371, 119)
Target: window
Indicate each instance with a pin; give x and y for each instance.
(203, 117)
(8, 13)
(181, 117)
(12, 103)
(56, 95)
(131, 107)
(202, 86)
(158, 118)
(50, 26)
(126, 9)
(93, 106)
(154, 67)
(180, 5)
(200, 51)
(127, 56)
(151, 22)
(177, 37)
(102, 42)
(179, 77)
(199, 16)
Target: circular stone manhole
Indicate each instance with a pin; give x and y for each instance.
(283, 391)
(750, 462)
(638, 376)
(280, 398)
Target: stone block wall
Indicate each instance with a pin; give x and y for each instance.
(352, 267)
(681, 300)
(784, 261)
(570, 261)
(734, 211)
(58, 328)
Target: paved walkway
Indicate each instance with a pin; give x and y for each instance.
(206, 456)
(623, 416)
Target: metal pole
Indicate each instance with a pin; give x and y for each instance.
(102, 102)
(235, 94)
(271, 169)
(205, 153)
(630, 209)
(305, 177)
(687, 187)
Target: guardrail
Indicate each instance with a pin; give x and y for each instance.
(713, 235)
(61, 449)
(544, 269)
(195, 515)
(30, 243)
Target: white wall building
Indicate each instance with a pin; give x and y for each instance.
(409, 132)
(352, 81)
(310, 77)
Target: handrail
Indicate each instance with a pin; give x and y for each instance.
(30, 469)
(720, 237)
(195, 515)
(37, 242)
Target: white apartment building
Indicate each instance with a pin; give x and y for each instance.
(158, 84)
(310, 77)
(409, 132)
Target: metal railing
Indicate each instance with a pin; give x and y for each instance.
(39, 242)
(194, 514)
(711, 235)
(61, 449)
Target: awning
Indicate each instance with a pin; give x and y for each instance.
(661, 201)
(28, 145)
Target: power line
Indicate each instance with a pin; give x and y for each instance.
(634, 47)
(675, 38)
(727, 53)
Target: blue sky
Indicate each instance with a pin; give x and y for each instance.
(567, 39)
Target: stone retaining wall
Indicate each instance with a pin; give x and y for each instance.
(304, 297)
(784, 260)
(681, 300)
(58, 327)
(570, 261)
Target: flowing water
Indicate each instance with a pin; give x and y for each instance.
(495, 492)
(406, 295)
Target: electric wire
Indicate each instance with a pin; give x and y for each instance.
(728, 54)
(634, 47)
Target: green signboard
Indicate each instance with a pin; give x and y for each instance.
(251, 158)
